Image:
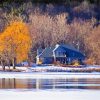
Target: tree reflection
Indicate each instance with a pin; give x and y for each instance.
(13, 83)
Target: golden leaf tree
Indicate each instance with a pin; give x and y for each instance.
(15, 42)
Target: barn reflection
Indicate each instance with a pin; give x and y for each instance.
(12, 83)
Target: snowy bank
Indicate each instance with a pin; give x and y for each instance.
(48, 75)
(51, 68)
(49, 95)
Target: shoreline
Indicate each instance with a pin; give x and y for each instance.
(47, 75)
(88, 69)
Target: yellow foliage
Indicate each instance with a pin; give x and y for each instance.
(76, 63)
(39, 62)
(16, 41)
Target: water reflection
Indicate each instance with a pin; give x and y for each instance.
(9, 83)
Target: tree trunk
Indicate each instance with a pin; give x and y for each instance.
(29, 59)
(14, 63)
(9, 65)
(3, 65)
(29, 65)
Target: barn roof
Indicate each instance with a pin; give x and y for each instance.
(48, 52)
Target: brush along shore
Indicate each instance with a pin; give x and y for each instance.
(45, 68)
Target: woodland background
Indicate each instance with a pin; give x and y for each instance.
(74, 22)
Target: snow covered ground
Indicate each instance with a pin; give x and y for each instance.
(49, 95)
(48, 75)
(45, 68)
(29, 74)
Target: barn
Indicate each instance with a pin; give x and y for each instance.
(63, 53)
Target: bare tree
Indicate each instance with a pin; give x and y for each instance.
(93, 42)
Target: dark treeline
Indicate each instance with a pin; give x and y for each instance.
(51, 1)
(85, 9)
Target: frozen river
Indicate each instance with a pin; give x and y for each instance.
(57, 84)
(49, 86)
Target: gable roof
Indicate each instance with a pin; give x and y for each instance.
(48, 52)
(70, 47)
(59, 47)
